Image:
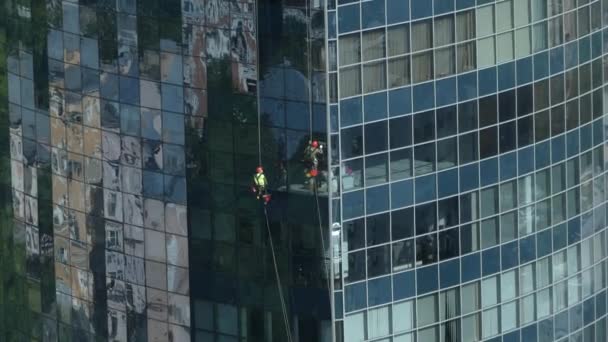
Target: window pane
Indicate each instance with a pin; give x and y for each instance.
(373, 44)
(444, 30)
(422, 67)
(399, 71)
(374, 76)
(504, 16)
(521, 12)
(350, 47)
(354, 327)
(422, 36)
(427, 310)
(485, 49)
(466, 56)
(522, 42)
(504, 47)
(403, 316)
(378, 322)
(398, 40)
(444, 62)
(350, 81)
(485, 21)
(465, 26)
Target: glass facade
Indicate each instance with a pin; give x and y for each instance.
(468, 140)
(462, 195)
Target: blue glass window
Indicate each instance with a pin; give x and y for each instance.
(470, 267)
(541, 65)
(556, 60)
(571, 54)
(350, 111)
(487, 81)
(355, 297)
(372, 13)
(421, 9)
(377, 199)
(425, 188)
(509, 255)
(526, 160)
(427, 279)
(352, 205)
(348, 18)
(375, 106)
(524, 70)
(379, 291)
(469, 177)
(489, 171)
(443, 6)
(397, 10)
(423, 94)
(448, 182)
(449, 273)
(404, 285)
(445, 91)
(402, 194)
(351, 142)
(491, 261)
(506, 76)
(527, 249)
(508, 166)
(400, 101)
(467, 86)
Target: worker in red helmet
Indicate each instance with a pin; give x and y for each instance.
(313, 152)
(260, 185)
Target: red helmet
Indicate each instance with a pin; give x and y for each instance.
(314, 144)
(259, 169)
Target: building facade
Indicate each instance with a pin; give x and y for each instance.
(462, 193)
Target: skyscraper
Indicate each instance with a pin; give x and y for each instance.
(461, 193)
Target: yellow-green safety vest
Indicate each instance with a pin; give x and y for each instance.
(259, 179)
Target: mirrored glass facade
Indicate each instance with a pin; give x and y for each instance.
(468, 142)
(462, 195)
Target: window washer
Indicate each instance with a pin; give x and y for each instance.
(313, 152)
(260, 183)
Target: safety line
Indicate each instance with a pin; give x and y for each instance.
(325, 257)
(276, 271)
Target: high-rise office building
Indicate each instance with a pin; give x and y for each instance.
(461, 194)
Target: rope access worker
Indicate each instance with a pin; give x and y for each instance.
(312, 153)
(259, 185)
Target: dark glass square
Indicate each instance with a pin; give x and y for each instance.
(506, 108)
(470, 267)
(449, 244)
(354, 233)
(467, 116)
(525, 131)
(402, 223)
(427, 279)
(355, 297)
(426, 249)
(525, 100)
(397, 10)
(424, 127)
(425, 155)
(488, 111)
(377, 137)
(378, 261)
(404, 285)
(377, 199)
(356, 266)
(447, 151)
(557, 89)
(527, 249)
(508, 137)
(379, 291)
(372, 13)
(448, 212)
(446, 121)
(403, 255)
(449, 273)
(400, 131)
(468, 147)
(426, 218)
(378, 229)
(490, 261)
(350, 111)
(352, 142)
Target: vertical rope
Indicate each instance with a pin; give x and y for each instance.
(325, 266)
(276, 271)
